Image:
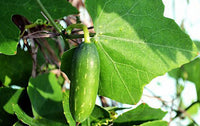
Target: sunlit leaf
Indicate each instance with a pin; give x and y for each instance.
(143, 113)
(155, 123)
(66, 108)
(135, 44)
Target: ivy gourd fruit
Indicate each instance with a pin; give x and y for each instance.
(84, 85)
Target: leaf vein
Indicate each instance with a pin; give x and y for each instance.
(117, 71)
(150, 44)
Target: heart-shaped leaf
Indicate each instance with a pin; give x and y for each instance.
(135, 44)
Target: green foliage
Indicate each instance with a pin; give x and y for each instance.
(155, 123)
(46, 97)
(139, 115)
(197, 43)
(8, 96)
(99, 116)
(18, 124)
(134, 41)
(34, 122)
(30, 10)
(194, 109)
(15, 70)
(134, 38)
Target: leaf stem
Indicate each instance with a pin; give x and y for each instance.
(81, 26)
(49, 17)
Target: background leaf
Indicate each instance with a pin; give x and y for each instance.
(18, 124)
(66, 61)
(135, 44)
(15, 70)
(194, 109)
(155, 123)
(8, 96)
(189, 71)
(197, 43)
(9, 34)
(46, 97)
(99, 116)
(34, 122)
(139, 115)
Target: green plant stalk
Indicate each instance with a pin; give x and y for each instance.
(46, 13)
(49, 17)
(81, 26)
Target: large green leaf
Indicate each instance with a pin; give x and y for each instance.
(139, 115)
(9, 33)
(15, 69)
(46, 97)
(8, 96)
(22, 116)
(136, 44)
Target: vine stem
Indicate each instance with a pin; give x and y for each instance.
(46, 13)
(81, 26)
(49, 17)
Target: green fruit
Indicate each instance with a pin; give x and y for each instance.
(85, 72)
